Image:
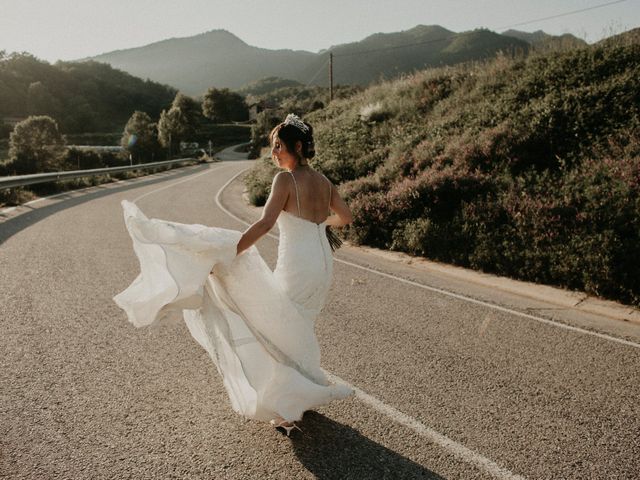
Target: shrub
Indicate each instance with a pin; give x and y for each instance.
(374, 112)
(75, 159)
(258, 181)
(265, 122)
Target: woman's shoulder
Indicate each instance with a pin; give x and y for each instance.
(285, 177)
(283, 180)
(309, 177)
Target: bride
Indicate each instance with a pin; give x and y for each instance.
(256, 324)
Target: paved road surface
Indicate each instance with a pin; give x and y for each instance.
(463, 382)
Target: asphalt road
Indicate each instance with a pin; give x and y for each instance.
(456, 380)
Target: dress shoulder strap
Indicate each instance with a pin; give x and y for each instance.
(297, 195)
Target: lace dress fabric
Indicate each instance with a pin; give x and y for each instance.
(257, 325)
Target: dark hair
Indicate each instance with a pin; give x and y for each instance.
(290, 134)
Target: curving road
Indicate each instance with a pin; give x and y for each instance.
(456, 379)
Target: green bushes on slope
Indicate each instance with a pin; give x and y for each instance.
(523, 167)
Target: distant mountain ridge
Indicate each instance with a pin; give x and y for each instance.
(216, 58)
(542, 39)
(389, 54)
(221, 59)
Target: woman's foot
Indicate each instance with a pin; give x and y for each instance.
(287, 426)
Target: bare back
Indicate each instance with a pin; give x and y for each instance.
(313, 193)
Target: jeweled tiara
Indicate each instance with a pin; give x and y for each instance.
(293, 119)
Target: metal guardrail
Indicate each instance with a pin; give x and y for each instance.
(23, 180)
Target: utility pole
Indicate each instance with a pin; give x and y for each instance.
(331, 76)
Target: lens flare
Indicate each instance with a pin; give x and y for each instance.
(132, 140)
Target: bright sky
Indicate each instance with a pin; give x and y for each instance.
(72, 29)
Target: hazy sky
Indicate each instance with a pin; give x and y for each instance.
(71, 29)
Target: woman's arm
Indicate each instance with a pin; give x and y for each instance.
(275, 203)
(342, 213)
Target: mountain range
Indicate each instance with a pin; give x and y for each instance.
(220, 59)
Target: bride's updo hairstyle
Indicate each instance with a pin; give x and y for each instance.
(292, 130)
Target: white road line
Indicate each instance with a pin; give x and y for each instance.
(458, 450)
(447, 293)
(497, 307)
(455, 448)
(178, 182)
(80, 190)
(61, 194)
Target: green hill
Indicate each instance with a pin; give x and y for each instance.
(542, 40)
(390, 54)
(267, 85)
(82, 97)
(528, 168)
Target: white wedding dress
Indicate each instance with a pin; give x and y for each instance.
(256, 324)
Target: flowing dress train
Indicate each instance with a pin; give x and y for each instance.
(256, 324)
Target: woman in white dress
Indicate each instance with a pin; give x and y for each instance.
(256, 324)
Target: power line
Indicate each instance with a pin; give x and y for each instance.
(561, 14)
(435, 40)
(318, 72)
(324, 64)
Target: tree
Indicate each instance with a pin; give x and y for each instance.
(139, 136)
(36, 145)
(223, 105)
(81, 116)
(171, 129)
(191, 113)
(179, 123)
(40, 101)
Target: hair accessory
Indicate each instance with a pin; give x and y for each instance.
(293, 119)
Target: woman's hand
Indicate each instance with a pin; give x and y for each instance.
(275, 203)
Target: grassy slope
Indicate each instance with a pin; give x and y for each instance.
(528, 168)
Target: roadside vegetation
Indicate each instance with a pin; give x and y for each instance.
(50, 139)
(526, 167)
(81, 96)
(280, 98)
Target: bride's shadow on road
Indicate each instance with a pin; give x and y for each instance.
(331, 450)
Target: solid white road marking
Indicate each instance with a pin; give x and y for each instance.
(209, 170)
(497, 307)
(80, 190)
(458, 450)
